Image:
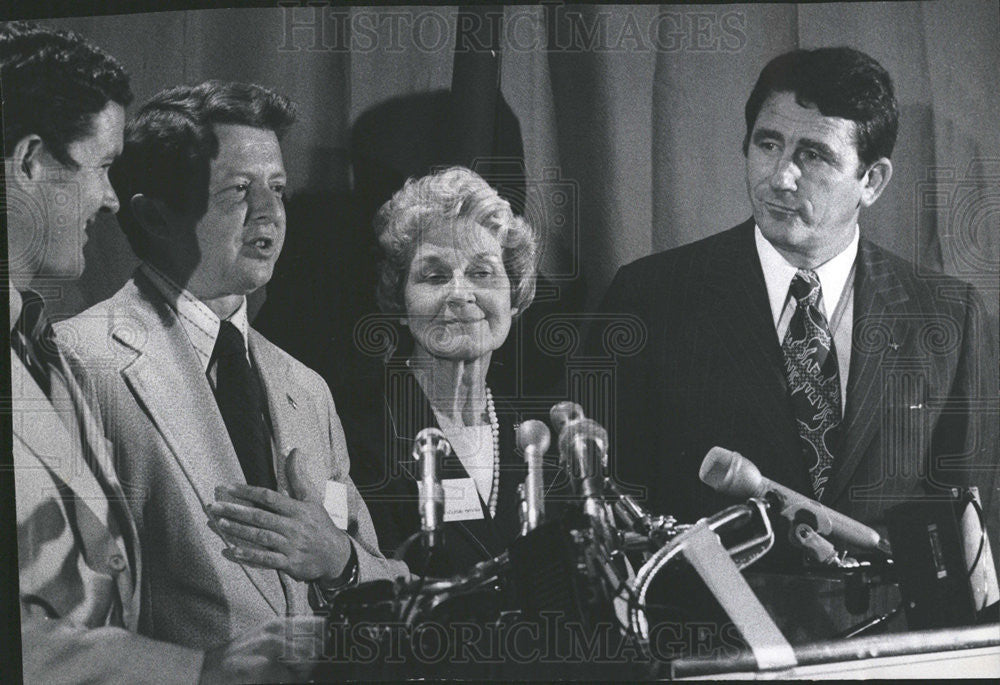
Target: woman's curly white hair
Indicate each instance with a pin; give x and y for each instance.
(450, 196)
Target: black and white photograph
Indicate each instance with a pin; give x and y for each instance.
(533, 342)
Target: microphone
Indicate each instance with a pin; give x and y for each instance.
(733, 474)
(430, 447)
(583, 449)
(564, 413)
(533, 440)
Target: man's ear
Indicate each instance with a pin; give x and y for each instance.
(26, 161)
(152, 215)
(875, 180)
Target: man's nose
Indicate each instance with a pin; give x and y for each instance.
(265, 205)
(785, 175)
(109, 201)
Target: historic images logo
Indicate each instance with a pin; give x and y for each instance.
(319, 26)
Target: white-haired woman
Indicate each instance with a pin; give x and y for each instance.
(457, 266)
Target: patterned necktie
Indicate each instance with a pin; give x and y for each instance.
(813, 378)
(241, 403)
(34, 341)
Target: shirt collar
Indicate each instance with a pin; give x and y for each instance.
(199, 322)
(778, 274)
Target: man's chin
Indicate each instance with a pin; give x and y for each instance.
(257, 279)
(780, 227)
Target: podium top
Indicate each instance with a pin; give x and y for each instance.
(945, 644)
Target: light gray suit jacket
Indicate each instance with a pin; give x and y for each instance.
(78, 561)
(172, 449)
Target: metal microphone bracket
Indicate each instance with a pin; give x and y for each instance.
(705, 553)
(431, 538)
(719, 568)
(796, 513)
(819, 548)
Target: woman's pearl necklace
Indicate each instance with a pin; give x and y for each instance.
(491, 412)
(491, 415)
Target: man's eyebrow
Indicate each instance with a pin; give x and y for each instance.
(762, 133)
(230, 174)
(819, 146)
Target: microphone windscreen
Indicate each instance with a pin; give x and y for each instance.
(564, 413)
(431, 438)
(730, 473)
(593, 438)
(534, 434)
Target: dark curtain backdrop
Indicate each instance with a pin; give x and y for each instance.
(629, 120)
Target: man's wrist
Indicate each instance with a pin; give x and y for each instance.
(348, 576)
(322, 591)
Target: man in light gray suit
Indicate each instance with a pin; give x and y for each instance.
(79, 562)
(204, 413)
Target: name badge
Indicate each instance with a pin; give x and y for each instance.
(335, 503)
(461, 499)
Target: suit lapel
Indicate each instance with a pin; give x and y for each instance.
(39, 426)
(285, 401)
(41, 429)
(737, 306)
(166, 378)
(878, 293)
(102, 451)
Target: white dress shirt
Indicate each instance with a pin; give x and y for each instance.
(199, 322)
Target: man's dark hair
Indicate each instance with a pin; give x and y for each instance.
(171, 140)
(840, 82)
(53, 83)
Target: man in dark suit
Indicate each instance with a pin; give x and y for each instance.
(819, 356)
(80, 567)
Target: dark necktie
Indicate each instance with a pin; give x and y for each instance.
(34, 341)
(813, 379)
(241, 403)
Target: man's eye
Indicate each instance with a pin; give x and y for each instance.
(810, 156)
(480, 273)
(436, 277)
(767, 145)
(241, 188)
(278, 189)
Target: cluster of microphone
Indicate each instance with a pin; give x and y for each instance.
(575, 563)
(616, 520)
